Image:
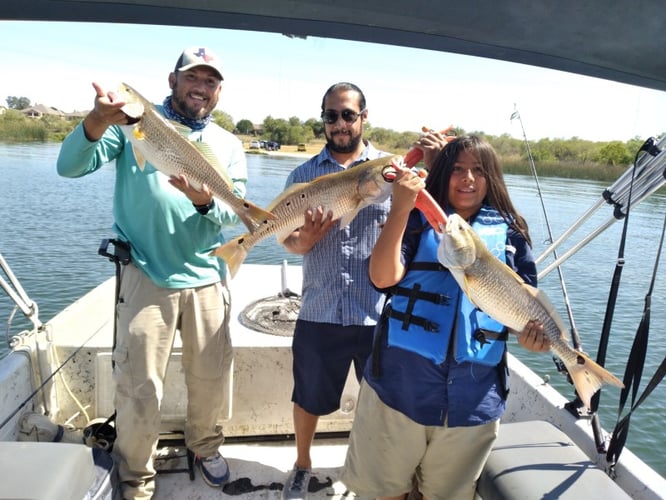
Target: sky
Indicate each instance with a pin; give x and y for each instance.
(271, 74)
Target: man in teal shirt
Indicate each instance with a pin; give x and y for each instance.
(172, 283)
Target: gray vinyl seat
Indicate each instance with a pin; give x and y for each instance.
(535, 460)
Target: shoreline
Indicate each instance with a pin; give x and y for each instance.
(285, 154)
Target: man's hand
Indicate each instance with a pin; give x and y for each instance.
(431, 143)
(203, 197)
(314, 228)
(106, 112)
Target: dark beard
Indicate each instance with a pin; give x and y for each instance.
(349, 148)
(186, 111)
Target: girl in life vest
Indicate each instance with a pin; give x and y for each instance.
(435, 386)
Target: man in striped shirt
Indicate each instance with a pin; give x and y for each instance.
(340, 307)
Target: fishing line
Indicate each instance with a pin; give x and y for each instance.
(574, 332)
(48, 379)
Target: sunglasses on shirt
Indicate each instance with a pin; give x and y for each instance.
(331, 116)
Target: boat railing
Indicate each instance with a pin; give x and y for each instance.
(17, 294)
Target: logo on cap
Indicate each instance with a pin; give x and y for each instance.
(202, 54)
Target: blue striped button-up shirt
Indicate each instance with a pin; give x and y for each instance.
(336, 285)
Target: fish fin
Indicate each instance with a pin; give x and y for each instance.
(140, 159)
(289, 191)
(233, 253)
(588, 377)
(207, 152)
(203, 148)
(183, 130)
(349, 216)
(283, 235)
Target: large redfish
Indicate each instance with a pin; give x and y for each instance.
(498, 291)
(344, 193)
(164, 144)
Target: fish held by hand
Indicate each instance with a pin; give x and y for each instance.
(343, 193)
(164, 144)
(497, 290)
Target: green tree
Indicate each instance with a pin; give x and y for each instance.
(245, 127)
(224, 120)
(316, 126)
(615, 153)
(19, 103)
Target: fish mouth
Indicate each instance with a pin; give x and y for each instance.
(131, 120)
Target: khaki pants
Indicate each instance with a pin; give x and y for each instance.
(148, 317)
(388, 449)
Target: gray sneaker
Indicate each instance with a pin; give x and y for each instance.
(214, 469)
(296, 486)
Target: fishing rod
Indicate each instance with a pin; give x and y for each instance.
(575, 338)
(649, 174)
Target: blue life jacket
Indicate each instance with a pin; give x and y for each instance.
(429, 310)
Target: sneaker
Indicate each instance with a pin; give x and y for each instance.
(296, 486)
(214, 469)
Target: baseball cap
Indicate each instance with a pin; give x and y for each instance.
(199, 56)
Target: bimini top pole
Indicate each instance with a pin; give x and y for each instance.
(16, 292)
(649, 176)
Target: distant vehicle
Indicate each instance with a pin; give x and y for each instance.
(301, 147)
(272, 145)
(255, 145)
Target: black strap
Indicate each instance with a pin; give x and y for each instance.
(608, 318)
(634, 370)
(435, 298)
(380, 332)
(425, 266)
(409, 319)
(482, 335)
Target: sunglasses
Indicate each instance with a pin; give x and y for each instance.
(331, 116)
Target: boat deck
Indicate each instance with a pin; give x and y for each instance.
(258, 471)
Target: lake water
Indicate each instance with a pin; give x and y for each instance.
(51, 227)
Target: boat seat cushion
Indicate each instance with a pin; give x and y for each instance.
(535, 459)
(63, 471)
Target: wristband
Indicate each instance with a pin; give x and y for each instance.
(204, 209)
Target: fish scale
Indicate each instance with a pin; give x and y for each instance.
(165, 146)
(498, 291)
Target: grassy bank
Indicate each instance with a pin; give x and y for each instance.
(14, 127)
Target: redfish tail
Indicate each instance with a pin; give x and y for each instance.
(253, 216)
(588, 377)
(232, 253)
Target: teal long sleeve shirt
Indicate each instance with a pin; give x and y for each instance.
(170, 240)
